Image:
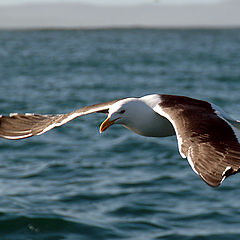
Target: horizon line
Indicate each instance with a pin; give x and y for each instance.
(134, 27)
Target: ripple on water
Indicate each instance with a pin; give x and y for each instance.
(73, 183)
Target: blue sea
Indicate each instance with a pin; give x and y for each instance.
(73, 183)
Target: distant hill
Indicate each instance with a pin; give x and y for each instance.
(74, 15)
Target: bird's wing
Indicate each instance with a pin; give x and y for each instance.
(209, 142)
(18, 126)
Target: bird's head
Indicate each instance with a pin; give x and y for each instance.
(119, 113)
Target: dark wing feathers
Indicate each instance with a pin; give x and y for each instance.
(207, 140)
(18, 126)
(217, 164)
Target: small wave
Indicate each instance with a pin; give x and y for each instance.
(23, 227)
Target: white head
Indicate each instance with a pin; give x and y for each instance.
(122, 112)
(136, 114)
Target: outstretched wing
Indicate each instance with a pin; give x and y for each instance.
(209, 142)
(18, 126)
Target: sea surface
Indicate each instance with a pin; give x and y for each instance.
(73, 183)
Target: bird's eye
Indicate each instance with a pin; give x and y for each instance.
(122, 111)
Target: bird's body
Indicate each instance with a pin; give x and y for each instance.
(207, 136)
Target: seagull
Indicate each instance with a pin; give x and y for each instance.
(206, 135)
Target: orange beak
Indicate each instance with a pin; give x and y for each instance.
(106, 124)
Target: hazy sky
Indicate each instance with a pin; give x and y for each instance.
(71, 13)
(113, 2)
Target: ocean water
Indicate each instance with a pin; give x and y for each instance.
(73, 182)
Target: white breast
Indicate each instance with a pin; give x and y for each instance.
(145, 121)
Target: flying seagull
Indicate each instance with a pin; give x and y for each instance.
(207, 136)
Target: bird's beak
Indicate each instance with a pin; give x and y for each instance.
(106, 124)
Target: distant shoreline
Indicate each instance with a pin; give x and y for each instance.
(120, 28)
